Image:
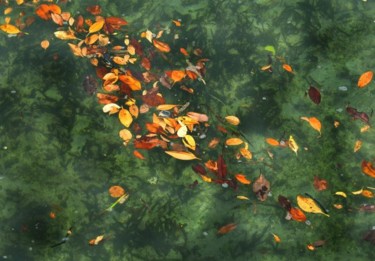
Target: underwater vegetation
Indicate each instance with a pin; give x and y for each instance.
(136, 130)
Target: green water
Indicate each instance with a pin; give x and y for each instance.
(59, 152)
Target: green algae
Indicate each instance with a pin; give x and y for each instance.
(62, 153)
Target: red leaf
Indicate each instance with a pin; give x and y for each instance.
(314, 95)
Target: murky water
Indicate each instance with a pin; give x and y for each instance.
(60, 153)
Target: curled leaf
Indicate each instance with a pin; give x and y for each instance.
(340, 193)
(111, 108)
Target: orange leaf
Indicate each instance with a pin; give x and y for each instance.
(106, 98)
(43, 12)
(272, 142)
(44, 44)
(9, 29)
(132, 82)
(57, 19)
(184, 52)
(226, 229)
(242, 178)
(138, 155)
(365, 79)
(246, 153)
(368, 169)
(320, 184)
(133, 109)
(287, 68)
(297, 215)
(95, 27)
(125, 117)
(176, 75)
(314, 123)
(161, 46)
(233, 141)
(367, 193)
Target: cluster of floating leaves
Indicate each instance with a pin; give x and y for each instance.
(129, 94)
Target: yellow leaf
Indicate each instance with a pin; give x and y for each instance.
(205, 178)
(233, 120)
(189, 142)
(182, 131)
(125, 117)
(292, 144)
(242, 198)
(365, 128)
(246, 153)
(309, 205)
(133, 109)
(96, 26)
(181, 155)
(165, 107)
(9, 29)
(357, 192)
(125, 135)
(340, 193)
(130, 102)
(233, 141)
(8, 10)
(111, 108)
(357, 145)
(65, 35)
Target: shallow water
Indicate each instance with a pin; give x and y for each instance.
(60, 153)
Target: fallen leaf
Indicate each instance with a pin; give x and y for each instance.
(272, 142)
(297, 214)
(232, 120)
(357, 145)
(233, 141)
(314, 95)
(340, 193)
(292, 144)
(367, 193)
(111, 108)
(368, 169)
(242, 178)
(132, 82)
(181, 155)
(320, 184)
(226, 229)
(97, 26)
(314, 123)
(125, 135)
(365, 79)
(242, 198)
(138, 155)
(288, 68)
(165, 107)
(161, 46)
(44, 44)
(10, 29)
(276, 238)
(309, 205)
(125, 117)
